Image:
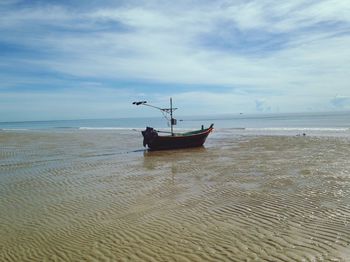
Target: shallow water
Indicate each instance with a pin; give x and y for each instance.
(98, 196)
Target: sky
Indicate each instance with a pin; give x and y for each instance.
(92, 59)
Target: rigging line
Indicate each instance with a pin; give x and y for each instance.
(164, 113)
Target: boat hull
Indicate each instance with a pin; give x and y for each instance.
(193, 139)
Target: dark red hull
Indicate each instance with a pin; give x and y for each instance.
(192, 139)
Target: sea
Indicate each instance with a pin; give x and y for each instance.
(288, 123)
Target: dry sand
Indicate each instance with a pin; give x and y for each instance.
(97, 196)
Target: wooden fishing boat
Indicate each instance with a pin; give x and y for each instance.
(154, 141)
(175, 140)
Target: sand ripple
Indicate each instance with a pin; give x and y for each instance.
(85, 195)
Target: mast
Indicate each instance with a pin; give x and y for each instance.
(171, 116)
(164, 110)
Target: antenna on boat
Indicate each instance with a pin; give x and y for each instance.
(163, 110)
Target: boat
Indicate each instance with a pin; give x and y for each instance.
(175, 140)
(155, 141)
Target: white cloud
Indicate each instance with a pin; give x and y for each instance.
(161, 42)
(341, 102)
(88, 101)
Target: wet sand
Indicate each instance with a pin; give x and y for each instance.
(97, 196)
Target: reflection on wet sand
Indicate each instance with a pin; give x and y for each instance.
(86, 195)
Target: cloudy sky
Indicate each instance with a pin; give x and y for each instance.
(92, 59)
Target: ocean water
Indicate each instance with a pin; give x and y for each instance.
(331, 121)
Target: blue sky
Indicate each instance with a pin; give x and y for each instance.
(91, 59)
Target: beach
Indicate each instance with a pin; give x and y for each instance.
(98, 195)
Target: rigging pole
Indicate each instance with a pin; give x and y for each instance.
(171, 116)
(165, 111)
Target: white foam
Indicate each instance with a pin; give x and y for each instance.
(325, 129)
(105, 128)
(14, 129)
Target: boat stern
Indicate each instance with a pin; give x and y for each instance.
(149, 135)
